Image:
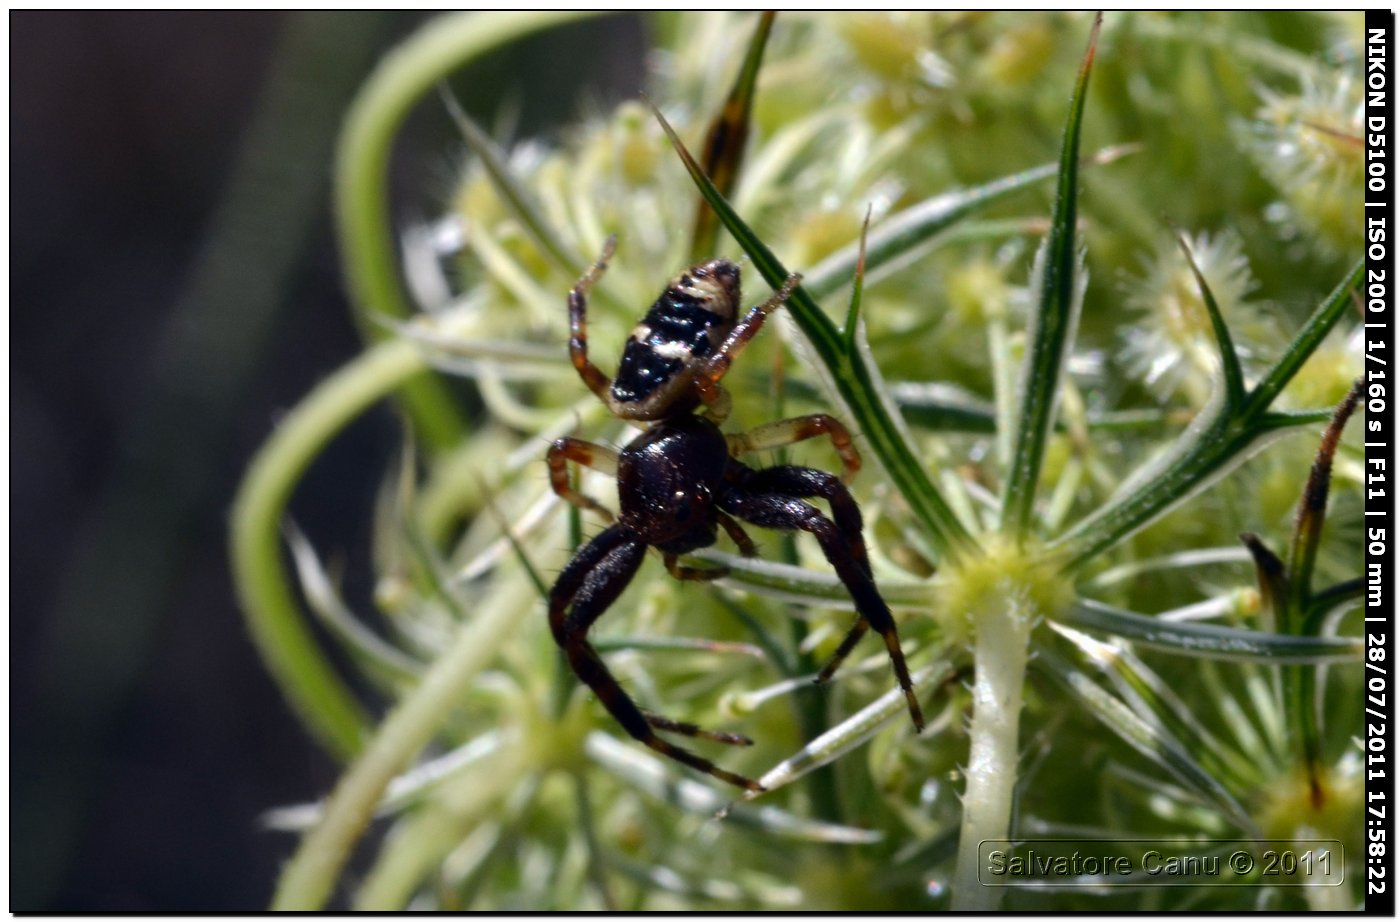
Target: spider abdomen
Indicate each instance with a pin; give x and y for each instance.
(667, 340)
(685, 325)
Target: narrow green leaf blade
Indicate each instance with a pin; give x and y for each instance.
(1154, 742)
(1312, 334)
(1215, 444)
(1155, 700)
(1053, 328)
(723, 151)
(900, 235)
(644, 772)
(792, 583)
(1209, 640)
(515, 196)
(857, 290)
(326, 602)
(1231, 374)
(851, 733)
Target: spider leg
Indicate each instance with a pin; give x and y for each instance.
(580, 452)
(706, 574)
(718, 407)
(770, 499)
(592, 375)
(708, 376)
(689, 729)
(799, 428)
(586, 587)
(803, 482)
(737, 534)
(788, 480)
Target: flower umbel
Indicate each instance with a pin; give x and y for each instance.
(1056, 540)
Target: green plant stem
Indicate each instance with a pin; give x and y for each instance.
(274, 618)
(1000, 651)
(1003, 386)
(410, 851)
(307, 881)
(597, 861)
(362, 169)
(1003, 624)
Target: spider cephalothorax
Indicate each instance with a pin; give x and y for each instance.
(679, 482)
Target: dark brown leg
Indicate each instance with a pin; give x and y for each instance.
(586, 587)
(597, 382)
(787, 480)
(764, 502)
(688, 729)
(737, 534)
(580, 452)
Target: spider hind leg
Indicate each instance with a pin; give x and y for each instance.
(689, 729)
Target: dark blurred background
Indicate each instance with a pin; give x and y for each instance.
(174, 286)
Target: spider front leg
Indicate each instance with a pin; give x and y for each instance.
(737, 534)
(772, 498)
(592, 375)
(719, 405)
(714, 368)
(586, 587)
(800, 428)
(587, 454)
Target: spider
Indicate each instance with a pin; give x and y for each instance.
(680, 481)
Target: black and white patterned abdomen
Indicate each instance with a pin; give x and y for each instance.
(674, 333)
